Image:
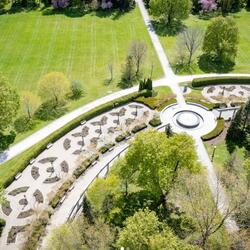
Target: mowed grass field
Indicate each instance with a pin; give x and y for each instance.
(33, 44)
(243, 58)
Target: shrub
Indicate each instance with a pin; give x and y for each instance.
(122, 137)
(36, 230)
(202, 82)
(208, 105)
(61, 192)
(139, 127)
(23, 123)
(2, 225)
(19, 163)
(156, 121)
(85, 165)
(216, 131)
(76, 89)
(105, 148)
(6, 140)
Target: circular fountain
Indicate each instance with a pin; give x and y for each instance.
(188, 119)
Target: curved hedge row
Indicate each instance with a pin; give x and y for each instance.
(216, 131)
(20, 162)
(202, 82)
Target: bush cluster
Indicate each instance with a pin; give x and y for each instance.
(105, 148)
(155, 121)
(139, 127)
(2, 225)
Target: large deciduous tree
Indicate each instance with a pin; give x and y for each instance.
(143, 230)
(170, 10)
(221, 40)
(54, 86)
(9, 103)
(153, 161)
(138, 51)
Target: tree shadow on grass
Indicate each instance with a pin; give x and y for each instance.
(208, 65)
(162, 29)
(112, 14)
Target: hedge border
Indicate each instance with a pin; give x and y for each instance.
(216, 131)
(218, 80)
(35, 150)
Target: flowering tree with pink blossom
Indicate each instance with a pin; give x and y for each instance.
(208, 5)
(58, 4)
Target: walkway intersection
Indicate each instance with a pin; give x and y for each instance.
(31, 191)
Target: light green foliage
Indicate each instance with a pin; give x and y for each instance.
(153, 160)
(144, 231)
(221, 39)
(101, 188)
(170, 10)
(246, 166)
(54, 86)
(30, 103)
(9, 103)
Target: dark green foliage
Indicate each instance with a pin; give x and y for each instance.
(239, 130)
(105, 148)
(60, 193)
(87, 210)
(121, 137)
(155, 122)
(23, 123)
(168, 130)
(2, 225)
(138, 128)
(76, 89)
(146, 85)
(6, 140)
(49, 111)
(202, 82)
(216, 131)
(128, 73)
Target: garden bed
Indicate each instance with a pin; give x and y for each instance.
(216, 131)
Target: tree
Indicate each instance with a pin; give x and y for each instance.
(221, 40)
(168, 130)
(6, 140)
(170, 10)
(30, 103)
(138, 51)
(208, 5)
(111, 70)
(128, 74)
(190, 40)
(153, 161)
(144, 231)
(54, 86)
(3, 4)
(80, 234)
(9, 103)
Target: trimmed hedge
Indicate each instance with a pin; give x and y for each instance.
(208, 105)
(20, 162)
(202, 82)
(216, 131)
(122, 137)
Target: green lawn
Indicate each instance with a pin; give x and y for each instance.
(242, 61)
(33, 44)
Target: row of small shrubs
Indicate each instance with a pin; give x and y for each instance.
(208, 105)
(122, 137)
(216, 131)
(202, 82)
(85, 165)
(61, 192)
(105, 148)
(20, 162)
(36, 230)
(139, 127)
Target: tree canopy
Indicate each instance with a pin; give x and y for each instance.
(170, 10)
(9, 103)
(221, 39)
